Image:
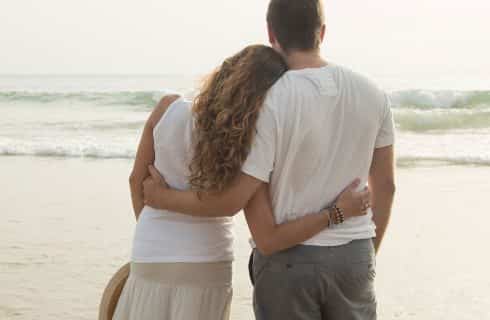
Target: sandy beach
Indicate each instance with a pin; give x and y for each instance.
(68, 224)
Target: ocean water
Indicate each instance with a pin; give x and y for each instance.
(62, 240)
(102, 117)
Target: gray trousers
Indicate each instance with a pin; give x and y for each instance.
(313, 282)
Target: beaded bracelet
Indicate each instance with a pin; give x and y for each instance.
(335, 215)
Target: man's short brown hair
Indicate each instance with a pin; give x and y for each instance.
(296, 23)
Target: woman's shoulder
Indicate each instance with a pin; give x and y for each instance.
(162, 107)
(167, 100)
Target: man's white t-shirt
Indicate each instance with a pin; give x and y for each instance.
(316, 133)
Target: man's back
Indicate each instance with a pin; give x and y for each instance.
(317, 132)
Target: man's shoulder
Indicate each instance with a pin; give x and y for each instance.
(358, 79)
(292, 80)
(279, 93)
(287, 89)
(292, 84)
(281, 85)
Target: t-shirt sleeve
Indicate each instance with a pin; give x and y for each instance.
(386, 133)
(260, 160)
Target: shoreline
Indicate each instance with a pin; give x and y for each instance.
(401, 163)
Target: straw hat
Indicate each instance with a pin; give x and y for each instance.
(112, 292)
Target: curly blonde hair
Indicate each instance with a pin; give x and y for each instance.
(226, 112)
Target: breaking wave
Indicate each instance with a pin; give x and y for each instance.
(418, 99)
(136, 98)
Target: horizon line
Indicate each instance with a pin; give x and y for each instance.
(100, 74)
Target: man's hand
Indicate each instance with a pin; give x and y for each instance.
(154, 188)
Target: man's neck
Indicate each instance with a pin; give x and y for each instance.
(304, 59)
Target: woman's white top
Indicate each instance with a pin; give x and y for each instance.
(165, 236)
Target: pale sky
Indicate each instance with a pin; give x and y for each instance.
(389, 37)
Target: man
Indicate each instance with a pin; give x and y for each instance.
(321, 126)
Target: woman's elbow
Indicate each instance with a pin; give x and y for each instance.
(265, 252)
(134, 180)
(266, 248)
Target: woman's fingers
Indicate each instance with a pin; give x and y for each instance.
(365, 195)
(354, 184)
(353, 202)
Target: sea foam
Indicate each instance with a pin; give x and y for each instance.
(418, 99)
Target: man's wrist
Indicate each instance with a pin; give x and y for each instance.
(161, 200)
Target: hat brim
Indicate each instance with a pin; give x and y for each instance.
(112, 292)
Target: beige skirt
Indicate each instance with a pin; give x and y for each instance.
(176, 291)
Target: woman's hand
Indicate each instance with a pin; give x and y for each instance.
(352, 202)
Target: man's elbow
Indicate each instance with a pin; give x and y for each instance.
(216, 211)
(229, 211)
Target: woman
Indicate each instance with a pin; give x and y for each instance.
(181, 265)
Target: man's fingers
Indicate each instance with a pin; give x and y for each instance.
(154, 173)
(146, 181)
